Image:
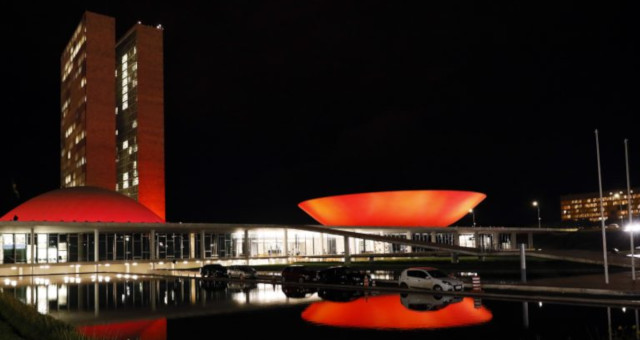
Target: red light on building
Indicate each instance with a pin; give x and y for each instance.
(82, 204)
(412, 208)
(386, 312)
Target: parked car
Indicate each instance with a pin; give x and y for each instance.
(242, 272)
(342, 275)
(426, 302)
(213, 270)
(298, 273)
(429, 278)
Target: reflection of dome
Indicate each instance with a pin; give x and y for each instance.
(413, 208)
(139, 329)
(387, 312)
(82, 204)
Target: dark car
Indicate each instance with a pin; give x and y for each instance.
(298, 273)
(242, 272)
(343, 275)
(213, 270)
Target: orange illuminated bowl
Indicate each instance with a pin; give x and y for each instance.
(411, 208)
(386, 312)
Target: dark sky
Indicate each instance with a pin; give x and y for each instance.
(271, 103)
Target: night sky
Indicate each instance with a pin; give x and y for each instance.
(271, 103)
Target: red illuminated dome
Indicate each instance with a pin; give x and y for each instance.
(414, 208)
(82, 204)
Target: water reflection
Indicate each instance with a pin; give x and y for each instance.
(424, 302)
(393, 312)
(297, 292)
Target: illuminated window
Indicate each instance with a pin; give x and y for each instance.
(135, 181)
(134, 124)
(125, 144)
(125, 185)
(125, 176)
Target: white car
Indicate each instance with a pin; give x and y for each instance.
(429, 278)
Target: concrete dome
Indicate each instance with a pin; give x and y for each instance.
(82, 204)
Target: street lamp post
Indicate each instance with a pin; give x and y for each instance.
(473, 216)
(535, 204)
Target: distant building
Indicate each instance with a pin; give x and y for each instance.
(586, 207)
(112, 119)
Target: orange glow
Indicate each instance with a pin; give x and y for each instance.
(82, 204)
(382, 312)
(415, 208)
(143, 330)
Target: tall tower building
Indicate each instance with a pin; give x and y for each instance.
(140, 117)
(112, 120)
(87, 97)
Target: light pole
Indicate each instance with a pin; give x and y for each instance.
(617, 197)
(473, 216)
(535, 204)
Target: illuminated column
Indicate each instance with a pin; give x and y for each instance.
(495, 238)
(202, 252)
(33, 249)
(286, 242)
(409, 237)
(96, 246)
(456, 238)
(347, 252)
(433, 237)
(192, 245)
(514, 245)
(530, 240)
(246, 246)
(152, 245)
(81, 249)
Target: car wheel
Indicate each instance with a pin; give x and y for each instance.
(403, 285)
(437, 288)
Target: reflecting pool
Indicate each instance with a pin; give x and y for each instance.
(140, 307)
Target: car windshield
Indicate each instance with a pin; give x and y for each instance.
(437, 274)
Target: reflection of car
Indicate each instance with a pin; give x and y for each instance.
(242, 272)
(426, 302)
(244, 286)
(213, 270)
(429, 278)
(213, 285)
(340, 295)
(342, 275)
(298, 273)
(297, 291)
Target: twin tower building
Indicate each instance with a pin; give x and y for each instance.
(112, 111)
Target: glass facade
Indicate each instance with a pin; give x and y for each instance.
(127, 117)
(586, 207)
(251, 243)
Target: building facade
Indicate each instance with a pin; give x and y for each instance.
(586, 207)
(112, 113)
(87, 104)
(140, 117)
